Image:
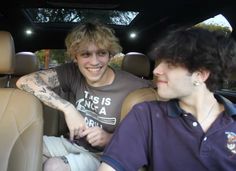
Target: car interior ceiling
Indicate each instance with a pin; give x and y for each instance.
(152, 20)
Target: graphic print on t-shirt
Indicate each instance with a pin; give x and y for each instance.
(94, 109)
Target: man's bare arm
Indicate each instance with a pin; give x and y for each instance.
(41, 84)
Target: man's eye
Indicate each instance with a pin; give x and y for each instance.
(86, 54)
(170, 65)
(102, 53)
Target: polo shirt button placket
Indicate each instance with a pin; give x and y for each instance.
(205, 149)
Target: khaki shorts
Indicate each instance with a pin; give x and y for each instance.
(78, 157)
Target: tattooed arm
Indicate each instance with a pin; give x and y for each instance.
(41, 84)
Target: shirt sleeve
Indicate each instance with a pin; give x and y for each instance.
(127, 151)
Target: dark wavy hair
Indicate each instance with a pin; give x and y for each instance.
(197, 49)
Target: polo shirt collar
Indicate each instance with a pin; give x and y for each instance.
(230, 108)
(174, 109)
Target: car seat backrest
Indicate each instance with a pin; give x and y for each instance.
(137, 96)
(7, 60)
(21, 123)
(54, 120)
(137, 64)
(21, 129)
(7, 49)
(25, 63)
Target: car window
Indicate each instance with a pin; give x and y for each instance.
(49, 58)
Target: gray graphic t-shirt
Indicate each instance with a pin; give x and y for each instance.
(100, 106)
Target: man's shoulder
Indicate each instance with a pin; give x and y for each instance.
(150, 109)
(153, 104)
(128, 77)
(68, 65)
(69, 68)
(124, 73)
(168, 108)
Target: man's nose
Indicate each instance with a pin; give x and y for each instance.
(94, 59)
(158, 69)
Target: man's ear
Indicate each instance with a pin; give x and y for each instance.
(200, 76)
(204, 74)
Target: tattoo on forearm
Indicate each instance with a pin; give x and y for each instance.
(38, 79)
(27, 88)
(40, 84)
(53, 80)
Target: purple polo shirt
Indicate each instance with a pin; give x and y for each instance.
(165, 138)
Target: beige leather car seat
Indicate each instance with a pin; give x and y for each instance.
(54, 120)
(138, 96)
(25, 63)
(137, 64)
(7, 64)
(21, 123)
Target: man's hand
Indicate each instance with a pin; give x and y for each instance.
(75, 122)
(96, 136)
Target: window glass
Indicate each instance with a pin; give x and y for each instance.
(116, 61)
(67, 15)
(52, 57)
(216, 22)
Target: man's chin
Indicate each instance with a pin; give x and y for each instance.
(93, 81)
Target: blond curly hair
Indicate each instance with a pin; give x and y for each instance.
(97, 33)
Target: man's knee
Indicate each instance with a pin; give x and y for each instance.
(56, 164)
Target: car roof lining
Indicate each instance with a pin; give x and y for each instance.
(152, 20)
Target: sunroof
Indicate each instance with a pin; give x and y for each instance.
(52, 15)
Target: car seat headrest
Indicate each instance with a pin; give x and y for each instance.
(26, 62)
(137, 64)
(7, 55)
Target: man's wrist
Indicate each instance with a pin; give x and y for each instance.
(68, 108)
